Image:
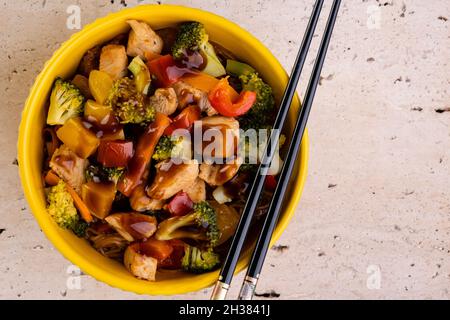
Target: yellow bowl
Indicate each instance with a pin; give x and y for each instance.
(64, 63)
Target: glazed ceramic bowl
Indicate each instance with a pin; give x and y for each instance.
(64, 63)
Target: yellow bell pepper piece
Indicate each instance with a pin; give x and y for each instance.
(100, 84)
(201, 81)
(96, 111)
(99, 197)
(78, 138)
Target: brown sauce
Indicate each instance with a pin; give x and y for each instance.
(190, 62)
(237, 186)
(223, 131)
(108, 125)
(65, 161)
(138, 226)
(227, 171)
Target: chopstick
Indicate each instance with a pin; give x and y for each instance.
(263, 242)
(226, 274)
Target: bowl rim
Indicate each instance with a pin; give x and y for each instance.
(25, 170)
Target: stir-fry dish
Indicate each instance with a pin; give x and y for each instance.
(112, 144)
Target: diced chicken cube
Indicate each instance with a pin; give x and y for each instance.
(218, 174)
(114, 61)
(140, 265)
(197, 191)
(133, 226)
(171, 178)
(142, 40)
(164, 101)
(69, 167)
(139, 201)
(225, 131)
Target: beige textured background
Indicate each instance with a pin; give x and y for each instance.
(377, 194)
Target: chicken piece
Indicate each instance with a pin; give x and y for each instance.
(139, 201)
(69, 167)
(197, 191)
(138, 264)
(218, 174)
(222, 138)
(114, 61)
(143, 39)
(171, 178)
(164, 101)
(187, 94)
(133, 226)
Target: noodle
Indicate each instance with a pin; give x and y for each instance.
(110, 245)
(261, 209)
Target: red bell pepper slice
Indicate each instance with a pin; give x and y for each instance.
(271, 182)
(220, 99)
(160, 250)
(185, 119)
(180, 205)
(167, 71)
(173, 262)
(115, 153)
(143, 154)
(158, 68)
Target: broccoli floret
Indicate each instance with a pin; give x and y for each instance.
(66, 101)
(167, 147)
(261, 114)
(200, 225)
(61, 208)
(199, 261)
(99, 173)
(249, 166)
(114, 174)
(80, 228)
(129, 104)
(192, 36)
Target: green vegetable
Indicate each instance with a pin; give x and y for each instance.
(114, 174)
(167, 147)
(198, 261)
(141, 75)
(66, 101)
(261, 114)
(80, 229)
(247, 150)
(237, 68)
(100, 173)
(129, 104)
(61, 208)
(192, 36)
(200, 225)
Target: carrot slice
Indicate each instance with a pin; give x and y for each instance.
(52, 179)
(81, 206)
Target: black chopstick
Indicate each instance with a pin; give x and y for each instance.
(263, 242)
(229, 266)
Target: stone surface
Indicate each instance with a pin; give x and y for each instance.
(376, 204)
